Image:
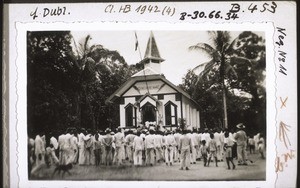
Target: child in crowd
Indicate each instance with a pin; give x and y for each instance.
(261, 146)
(204, 151)
(212, 146)
(251, 145)
(228, 144)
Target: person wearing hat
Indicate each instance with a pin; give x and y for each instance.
(241, 141)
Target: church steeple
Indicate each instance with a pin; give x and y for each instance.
(152, 57)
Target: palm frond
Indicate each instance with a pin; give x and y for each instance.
(207, 68)
(231, 47)
(85, 46)
(204, 47)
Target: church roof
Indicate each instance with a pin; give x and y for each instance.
(129, 83)
(152, 52)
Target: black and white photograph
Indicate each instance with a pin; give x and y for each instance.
(150, 94)
(146, 105)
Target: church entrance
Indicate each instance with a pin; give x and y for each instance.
(148, 113)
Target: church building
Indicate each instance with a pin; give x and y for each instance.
(148, 98)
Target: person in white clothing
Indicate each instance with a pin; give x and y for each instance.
(150, 148)
(138, 147)
(218, 142)
(81, 148)
(193, 151)
(177, 136)
(83, 143)
(184, 148)
(74, 148)
(256, 140)
(63, 149)
(119, 141)
(170, 144)
(39, 151)
(195, 143)
(228, 144)
(158, 146)
(129, 145)
(91, 148)
(261, 145)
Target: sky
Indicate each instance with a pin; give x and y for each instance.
(172, 45)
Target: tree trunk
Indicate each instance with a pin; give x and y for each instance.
(222, 76)
(224, 106)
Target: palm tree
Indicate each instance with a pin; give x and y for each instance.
(222, 57)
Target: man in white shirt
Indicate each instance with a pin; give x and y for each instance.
(150, 148)
(170, 144)
(81, 148)
(158, 146)
(119, 143)
(184, 148)
(138, 147)
(241, 141)
(39, 151)
(177, 136)
(218, 141)
(196, 144)
(74, 147)
(129, 143)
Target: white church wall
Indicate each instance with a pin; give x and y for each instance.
(194, 118)
(198, 119)
(190, 113)
(127, 100)
(154, 66)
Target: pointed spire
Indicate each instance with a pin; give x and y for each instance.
(152, 53)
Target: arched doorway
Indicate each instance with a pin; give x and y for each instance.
(148, 113)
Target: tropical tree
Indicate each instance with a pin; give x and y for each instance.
(237, 69)
(221, 58)
(69, 81)
(102, 71)
(251, 77)
(49, 85)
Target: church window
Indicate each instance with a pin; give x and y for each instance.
(130, 115)
(171, 114)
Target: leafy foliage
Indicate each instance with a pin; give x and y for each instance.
(68, 82)
(237, 68)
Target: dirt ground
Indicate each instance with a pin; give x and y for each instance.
(161, 172)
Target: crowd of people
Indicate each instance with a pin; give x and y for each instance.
(141, 147)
